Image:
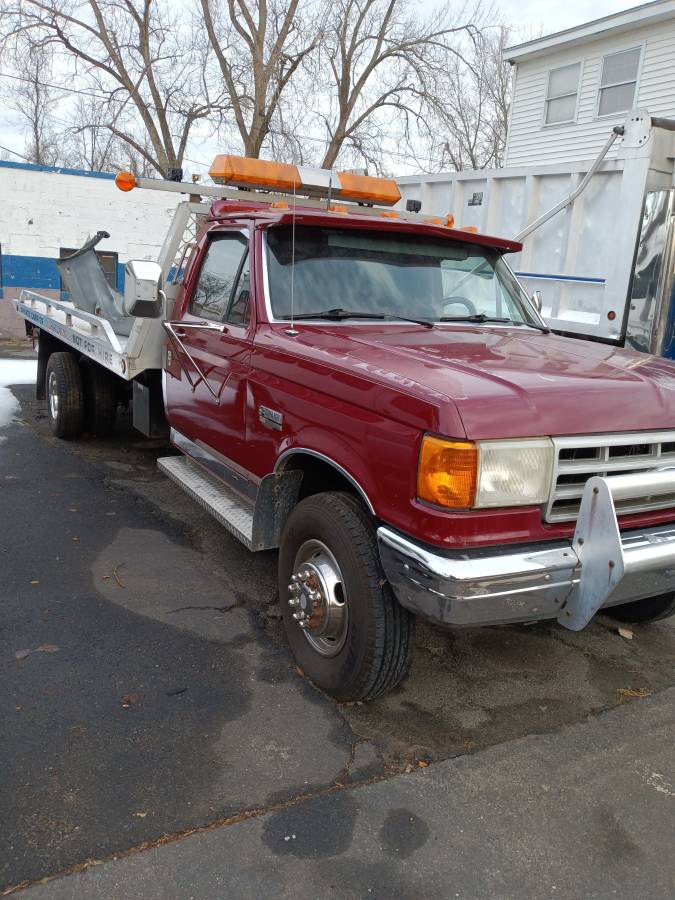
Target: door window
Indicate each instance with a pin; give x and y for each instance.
(239, 310)
(217, 276)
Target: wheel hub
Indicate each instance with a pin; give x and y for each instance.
(53, 396)
(316, 598)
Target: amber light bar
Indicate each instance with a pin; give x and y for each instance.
(241, 171)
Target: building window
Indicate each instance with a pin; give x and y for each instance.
(618, 81)
(561, 94)
(108, 263)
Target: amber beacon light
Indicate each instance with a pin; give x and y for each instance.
(241, 171)
(125, 181)
(447, 473)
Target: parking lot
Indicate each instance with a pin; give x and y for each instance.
(158, 698)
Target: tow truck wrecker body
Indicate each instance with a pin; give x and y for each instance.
(374, 394)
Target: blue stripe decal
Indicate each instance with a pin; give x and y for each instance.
(581, 278)
(40, 273)
(30, 167)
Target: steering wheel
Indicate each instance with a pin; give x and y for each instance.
(470, 308)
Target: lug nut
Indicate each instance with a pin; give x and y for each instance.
(293, 601)
(303, 624)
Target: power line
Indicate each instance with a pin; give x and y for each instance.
(14, 153)
(59, 87)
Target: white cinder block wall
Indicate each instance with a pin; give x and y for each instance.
(43, 210)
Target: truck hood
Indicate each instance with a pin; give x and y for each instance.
(516, 382)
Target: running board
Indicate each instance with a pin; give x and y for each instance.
(213, 495)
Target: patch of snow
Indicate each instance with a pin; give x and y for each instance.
(13, 371)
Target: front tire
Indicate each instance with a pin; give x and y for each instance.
(651, 609)
(65, 398)
(346, 629)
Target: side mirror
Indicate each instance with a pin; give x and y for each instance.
(143, 294)
(536, 300)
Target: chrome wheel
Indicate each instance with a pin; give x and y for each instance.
(53, 394)
(317, 598)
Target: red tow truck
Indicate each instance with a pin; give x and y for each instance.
(373, 393)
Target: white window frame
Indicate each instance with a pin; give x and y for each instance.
(572, 121)
(601, 86)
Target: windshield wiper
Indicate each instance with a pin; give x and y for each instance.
(477, 317)
(481, 317)
(339, 314)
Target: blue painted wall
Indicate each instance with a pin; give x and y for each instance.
(38, 273)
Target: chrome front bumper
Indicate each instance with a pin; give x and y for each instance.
(568, 580)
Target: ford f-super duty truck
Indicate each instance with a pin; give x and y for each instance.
(374, 393)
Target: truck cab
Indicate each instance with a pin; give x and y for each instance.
(379, 398)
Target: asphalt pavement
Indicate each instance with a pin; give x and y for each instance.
(157, 734)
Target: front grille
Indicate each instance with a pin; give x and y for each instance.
(578, 458)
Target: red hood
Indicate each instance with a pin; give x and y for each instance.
(514, 382)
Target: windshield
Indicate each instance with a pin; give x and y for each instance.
(389, 274)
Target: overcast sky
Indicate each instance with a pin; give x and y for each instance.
(553, 15)
(527, 16)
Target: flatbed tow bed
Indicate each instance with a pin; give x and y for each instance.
(85, 332)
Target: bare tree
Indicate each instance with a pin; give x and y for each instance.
(468, 121)
(259, 46)
(90, 144)
(383, 60)
(139, 55)
(34, 99)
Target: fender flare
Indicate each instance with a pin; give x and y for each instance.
(295, 451)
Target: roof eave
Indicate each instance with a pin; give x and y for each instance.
(637, 16)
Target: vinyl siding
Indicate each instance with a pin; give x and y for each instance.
(530, 142)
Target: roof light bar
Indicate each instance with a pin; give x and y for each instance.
(241, 171)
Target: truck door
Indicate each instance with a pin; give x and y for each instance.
(208, 354)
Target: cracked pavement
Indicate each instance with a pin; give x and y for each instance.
(149, 602)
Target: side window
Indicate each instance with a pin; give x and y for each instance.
(217, 276)
(561, 94)
(618, 81)
(239, 311)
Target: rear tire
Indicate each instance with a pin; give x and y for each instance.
(100, 399)
(63, 389)
(367, 652)
(651, 609)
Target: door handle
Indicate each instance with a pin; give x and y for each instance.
(179, 334)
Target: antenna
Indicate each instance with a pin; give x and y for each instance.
(293, 331)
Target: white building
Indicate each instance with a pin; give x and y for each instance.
(570, 88)
(45, 213)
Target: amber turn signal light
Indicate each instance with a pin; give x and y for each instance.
(125, 181)
(447, 472)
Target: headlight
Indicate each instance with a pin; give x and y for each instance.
(483, 474)
(514, 473)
